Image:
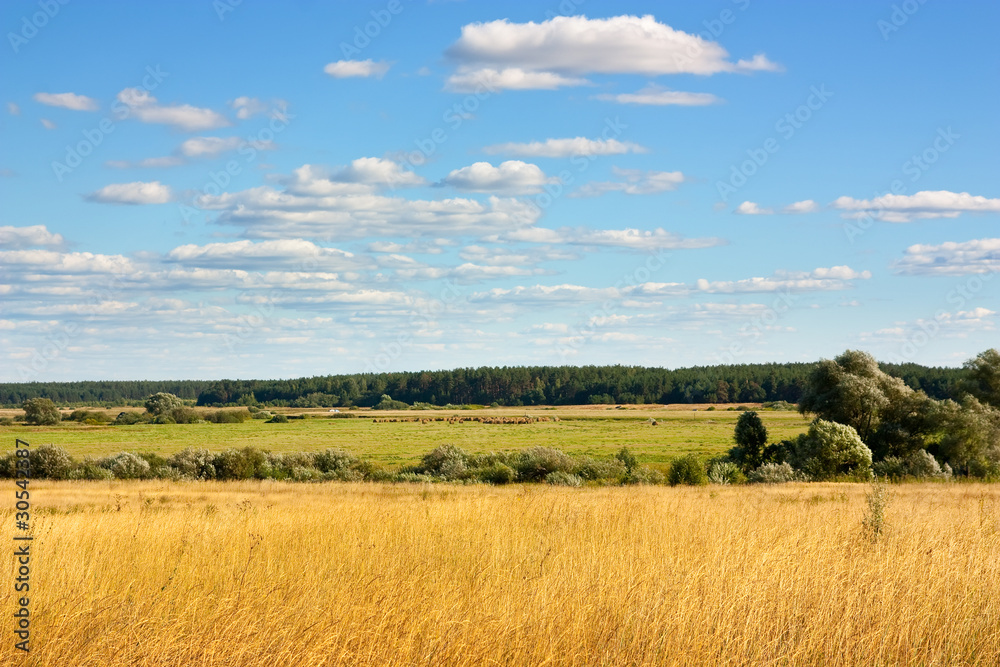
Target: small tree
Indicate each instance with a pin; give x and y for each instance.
(41, 411)
(689, 470)
(162, 403)
(750, 437)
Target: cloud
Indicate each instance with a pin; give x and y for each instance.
(510, 177)
(577, 45)
(147, 163)
(361, 68)
(510, 78)
(298, 253)
(213, 146)
(921, 205)
(48, 124)
(821, 279)
(561, 148)
(804, 206)
(951, 259)
(138, 192)
(247, 107)
(362, 176)
(50, 261)
(67, 101)
(636, 239)
(653, 95)
(145, 108)
(635, 182)
(13, 109)
(751, 208)
(194, 148)
(28, 237)
(320, 206)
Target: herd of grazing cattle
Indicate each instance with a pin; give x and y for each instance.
(459, 420)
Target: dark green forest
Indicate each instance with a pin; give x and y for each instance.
(537, 385)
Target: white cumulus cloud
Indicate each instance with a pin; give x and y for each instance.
(343, 69)
(67, 101)
(185, 117)
(138, 192)
(920, 205)
(654, 95)
(510, 177)
(568, 147)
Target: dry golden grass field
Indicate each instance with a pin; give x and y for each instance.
(265, 573)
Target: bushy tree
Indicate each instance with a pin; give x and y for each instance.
(751, 438)
(162, 403)
(829, 449)
(41, 411)
(983, 380)
(970, 435)
(887, 414)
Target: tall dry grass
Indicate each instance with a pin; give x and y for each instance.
(281, 574)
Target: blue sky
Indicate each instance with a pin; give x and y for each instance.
(248, 189)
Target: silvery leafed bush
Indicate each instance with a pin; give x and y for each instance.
(775, 473)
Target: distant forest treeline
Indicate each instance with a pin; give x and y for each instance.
(537, 385)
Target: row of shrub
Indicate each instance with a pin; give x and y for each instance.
(446, 463)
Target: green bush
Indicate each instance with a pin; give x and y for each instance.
(447, 462)
(90, 469)
(277, 419)
(227, 416)
(193, 463)
(612, 470)
(829, 449)
(184, 415)
(96, 416)
(536, 463)
(496, 473)
(687, 470)
(245, 463)
(775, 473)
(50, 462)
(128, 418)
(126, 465)
(561, 478)
(645, 475)
(386, 403)
(725, 472)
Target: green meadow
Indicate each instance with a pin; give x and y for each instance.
(593, 430)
